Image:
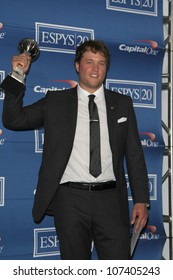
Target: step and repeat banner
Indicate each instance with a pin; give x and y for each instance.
(133, 31)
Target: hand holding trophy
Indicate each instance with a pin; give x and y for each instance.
(27, 46)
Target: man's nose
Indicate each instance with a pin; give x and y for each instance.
(95, 67)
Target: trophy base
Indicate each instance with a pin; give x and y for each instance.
(12, 85)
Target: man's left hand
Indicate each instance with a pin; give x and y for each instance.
(139, 215)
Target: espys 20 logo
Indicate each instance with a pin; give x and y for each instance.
(146, 7)
(60, 38)
(142, 93)
(152, 185)
(46, 242)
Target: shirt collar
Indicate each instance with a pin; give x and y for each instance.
(83, 94)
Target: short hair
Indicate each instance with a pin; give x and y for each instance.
(95, 46)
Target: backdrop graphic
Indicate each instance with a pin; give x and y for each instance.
(133, 30)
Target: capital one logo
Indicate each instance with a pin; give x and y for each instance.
(46, 242)
(150, 233)
(146, 7)
(2, 34)
(146, 47)
(142, 93)
(2, 190)
(152, 185)
(2, 140)
(55, 85)
(2, 77)
(61, 38)
(148, 140)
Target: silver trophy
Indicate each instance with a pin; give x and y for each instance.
(30, 47)
(14, 82)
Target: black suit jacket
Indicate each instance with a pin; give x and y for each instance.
(57, 113)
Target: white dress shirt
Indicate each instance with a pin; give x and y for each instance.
(77, 169)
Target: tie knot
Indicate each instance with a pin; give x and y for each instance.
(91, 97)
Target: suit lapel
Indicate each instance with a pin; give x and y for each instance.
(111, 105)
(72, 101)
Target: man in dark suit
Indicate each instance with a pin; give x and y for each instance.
(86, 206)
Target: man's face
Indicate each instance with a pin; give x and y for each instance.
(92, 70)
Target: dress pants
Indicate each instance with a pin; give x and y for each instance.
(83, 216)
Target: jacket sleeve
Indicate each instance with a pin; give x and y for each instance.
(136, 166)
(15, 116)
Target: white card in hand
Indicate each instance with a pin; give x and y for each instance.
(134, 238)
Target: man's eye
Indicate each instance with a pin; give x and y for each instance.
(102, 63)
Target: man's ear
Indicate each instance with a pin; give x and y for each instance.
(77, 66)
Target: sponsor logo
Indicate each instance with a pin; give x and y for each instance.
(46, 242)
(148, 140)
(153, 44)
(2, 140)
(2, 34)
(60, 38)
(42, 89)
(145, 7)
(143, 94)
(2, 77)
(149, 49)
(150, 233)
(152, 185)
(2, 190)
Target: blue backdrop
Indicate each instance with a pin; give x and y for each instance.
(133, 30)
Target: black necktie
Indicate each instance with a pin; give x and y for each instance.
(95, 158)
